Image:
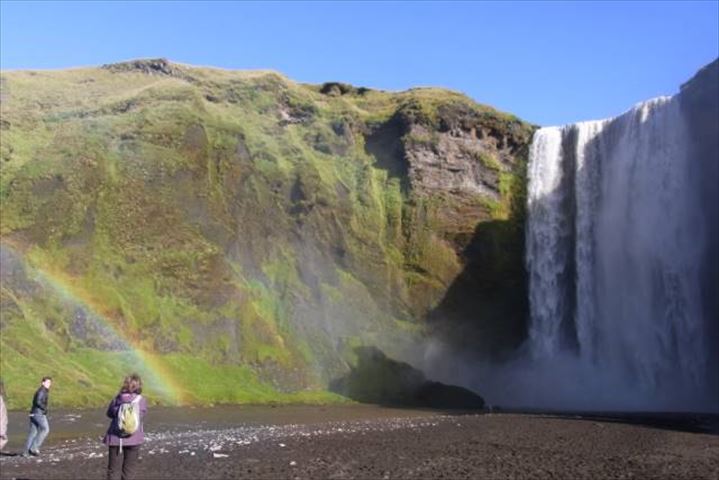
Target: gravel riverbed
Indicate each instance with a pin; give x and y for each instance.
(346, 442)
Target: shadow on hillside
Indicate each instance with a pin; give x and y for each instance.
(384, 143)
(485, 310)
(380, 380)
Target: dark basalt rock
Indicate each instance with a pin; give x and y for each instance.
(381, 380)
(335, 89)
(440, 395)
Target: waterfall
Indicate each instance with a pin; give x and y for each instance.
(616, 242)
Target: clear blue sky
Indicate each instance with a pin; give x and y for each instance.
(547, 62)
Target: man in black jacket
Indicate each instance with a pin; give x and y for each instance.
(39, 428)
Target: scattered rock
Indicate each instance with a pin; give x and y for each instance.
(336, 89)
(152, 66)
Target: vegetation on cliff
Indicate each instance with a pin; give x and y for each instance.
(234, 235)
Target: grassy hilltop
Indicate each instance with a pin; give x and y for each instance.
(236, 235)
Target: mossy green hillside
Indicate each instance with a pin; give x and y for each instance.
(234, 228)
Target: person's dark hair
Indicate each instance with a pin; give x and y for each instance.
(2, 388)
(131, 384)
(46, 378)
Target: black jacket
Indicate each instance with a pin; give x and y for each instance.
(39, 401)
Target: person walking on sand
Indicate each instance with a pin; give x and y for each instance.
(39, 427)
(126, 433)
(3, 417)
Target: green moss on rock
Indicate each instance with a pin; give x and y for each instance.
(236, 228)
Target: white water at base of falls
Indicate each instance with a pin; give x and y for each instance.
(614, 251)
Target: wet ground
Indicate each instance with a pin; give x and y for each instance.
(373, 442)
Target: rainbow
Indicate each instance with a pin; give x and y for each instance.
(160, 379)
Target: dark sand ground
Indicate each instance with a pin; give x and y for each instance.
(369, 442)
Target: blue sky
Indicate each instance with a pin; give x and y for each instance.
(547, 62)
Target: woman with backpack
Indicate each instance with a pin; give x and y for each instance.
(125, 435)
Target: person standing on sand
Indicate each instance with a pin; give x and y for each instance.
(121, 441)
(3, 417)
(39, 426)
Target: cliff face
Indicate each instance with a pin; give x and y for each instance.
(234, 235)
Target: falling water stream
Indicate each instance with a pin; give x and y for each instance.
(615, 244)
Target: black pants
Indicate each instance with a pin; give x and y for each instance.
(129, 461)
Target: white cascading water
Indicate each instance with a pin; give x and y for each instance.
(614, 247)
